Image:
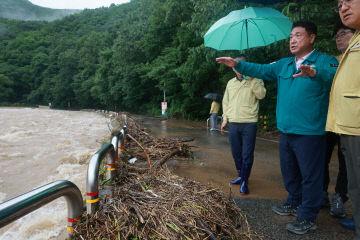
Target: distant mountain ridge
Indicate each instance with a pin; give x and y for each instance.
(25, 10)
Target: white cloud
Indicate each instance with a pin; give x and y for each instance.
(76, 4)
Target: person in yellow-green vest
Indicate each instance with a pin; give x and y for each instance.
(240, 108)
(214, 111)
(344, 107)
(343, 35)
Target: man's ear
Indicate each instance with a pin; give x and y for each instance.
(312, 38)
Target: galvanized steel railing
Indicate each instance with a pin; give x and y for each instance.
(111, 152)
(92, 188)
(118, 141)
(219, 119)
(18, 207)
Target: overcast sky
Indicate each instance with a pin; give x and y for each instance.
(76, 4)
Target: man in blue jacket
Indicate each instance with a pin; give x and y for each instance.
(304, 83)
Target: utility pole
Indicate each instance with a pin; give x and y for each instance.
(164, 92)
(164, 103)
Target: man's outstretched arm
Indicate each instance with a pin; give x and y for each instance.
(262, 71)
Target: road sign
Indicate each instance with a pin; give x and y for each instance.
(163, 108)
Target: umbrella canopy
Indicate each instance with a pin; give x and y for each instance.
(248, 28)
(263, 1)
(213, 96)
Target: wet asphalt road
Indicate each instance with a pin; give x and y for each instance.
(213, 165)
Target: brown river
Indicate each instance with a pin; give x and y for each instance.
(38, 146)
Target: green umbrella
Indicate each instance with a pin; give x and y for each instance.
(248, 28)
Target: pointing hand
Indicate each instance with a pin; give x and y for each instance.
(306, 70)
(228, 61)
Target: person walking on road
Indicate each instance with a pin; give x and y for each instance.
(214, 111)
(303, 83)
(344, 107)
(240, 108)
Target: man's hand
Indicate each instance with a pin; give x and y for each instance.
(223, 124)
(228, 61)
(306, 71)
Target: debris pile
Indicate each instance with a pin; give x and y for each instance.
(152, 203)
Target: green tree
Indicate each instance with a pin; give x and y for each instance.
(5, 88)
(124, 57)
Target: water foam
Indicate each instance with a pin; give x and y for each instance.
(61, 142)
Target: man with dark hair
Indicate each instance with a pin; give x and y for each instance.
(303, 95)
(343, 35)
(344, 108)
(310, 27)
(240, 108)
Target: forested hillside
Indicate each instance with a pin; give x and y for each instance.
(25, 10)
(123, 57)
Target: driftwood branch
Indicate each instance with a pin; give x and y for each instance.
(203, 227)
(168, 156)
(146, 154)
(141, 219)
(187, 140)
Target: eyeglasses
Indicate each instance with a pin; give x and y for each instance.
(343, 3)
(342, 34)
(296, 36)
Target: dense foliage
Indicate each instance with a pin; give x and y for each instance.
(124, 57)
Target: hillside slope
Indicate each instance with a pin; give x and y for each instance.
(25, 10)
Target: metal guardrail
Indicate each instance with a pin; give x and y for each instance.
(219, 118)
(111, 152)
(115, 143)
(92, 188)
(119, 148)
(119, 138)
(18, 207)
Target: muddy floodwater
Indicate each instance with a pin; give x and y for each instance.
(214, 165)
(38, 146)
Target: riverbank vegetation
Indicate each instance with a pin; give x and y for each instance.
(124, 57)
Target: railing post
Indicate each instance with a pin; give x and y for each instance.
(18, 207)
(125, 119)
(115, 143)
(118, 141)
(110, 163)
(125, 128)
(121, 147)
(92, 188)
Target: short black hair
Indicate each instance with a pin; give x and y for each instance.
(310, 27)
(242, 56)
(339, 26)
